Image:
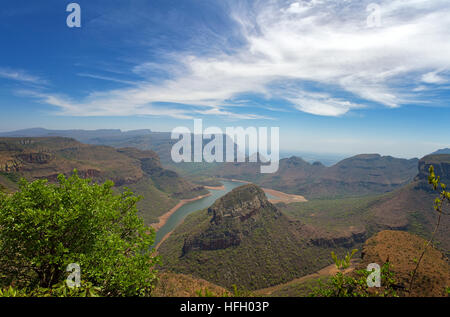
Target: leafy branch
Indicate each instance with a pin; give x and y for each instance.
(444, 196)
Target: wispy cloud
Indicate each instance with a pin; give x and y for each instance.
(107, 78)
(324, 42)
(21, 76)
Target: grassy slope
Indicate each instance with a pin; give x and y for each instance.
(402, 248)
(409, 208)
(333, 214)
(154, 202)
(181, 285)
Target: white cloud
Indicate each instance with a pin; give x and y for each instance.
(323, 42)
(21, 76)
(433, 78)
(107, 78)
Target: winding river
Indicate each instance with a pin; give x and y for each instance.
(177, 217)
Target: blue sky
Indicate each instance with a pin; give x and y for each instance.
(316, 69)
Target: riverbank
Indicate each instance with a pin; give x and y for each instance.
(166, 236)
(163, 218)
(281, 197)
(215, 187)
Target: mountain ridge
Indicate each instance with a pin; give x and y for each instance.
(141, 171)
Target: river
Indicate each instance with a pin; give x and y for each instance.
(177, 217)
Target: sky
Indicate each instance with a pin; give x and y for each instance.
(342, 77)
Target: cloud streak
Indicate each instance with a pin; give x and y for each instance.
(20, 76)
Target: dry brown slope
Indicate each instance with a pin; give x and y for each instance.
(182, 285)
(402, 249)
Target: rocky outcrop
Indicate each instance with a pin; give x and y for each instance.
(342, 240)
(10, 166)
(240, 205)
(441, 164)
(38, 158)
(232, 218)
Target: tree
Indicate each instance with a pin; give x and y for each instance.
(45, 227)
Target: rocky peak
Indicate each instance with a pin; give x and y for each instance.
(234, 216)
(241, 203)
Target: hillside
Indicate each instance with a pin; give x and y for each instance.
(243, 239)
(181, 285)
(408, 208)
(141, 171)
(401, 249)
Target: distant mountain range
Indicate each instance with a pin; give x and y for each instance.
(80, 135)
(442, 151)
(359, 175)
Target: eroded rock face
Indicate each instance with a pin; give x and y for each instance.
(441, 164)
(240, 204)
(9, 166)
(39, 157)
(232, 218)
(344, 240)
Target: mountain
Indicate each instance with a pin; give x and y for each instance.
(243, 239)
(79, 135)
(141, 171)
(159, 142)
(359, 175)
(441, 151)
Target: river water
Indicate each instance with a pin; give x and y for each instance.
(178, 216)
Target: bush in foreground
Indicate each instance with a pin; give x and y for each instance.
(45, 227)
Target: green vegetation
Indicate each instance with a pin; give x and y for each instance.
(333, 214)
(302, 289)
(355, 285)
(44, 227)
(237, 292)
(12, 177)
(345, 262)
(153, 203)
